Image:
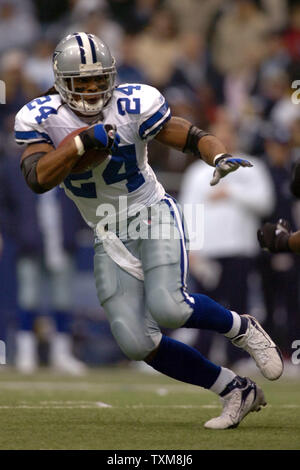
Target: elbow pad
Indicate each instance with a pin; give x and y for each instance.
(28, 168)
(193, 137)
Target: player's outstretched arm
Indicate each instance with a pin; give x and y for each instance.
(278, 238)
(45, 167)
(181, 134)
(177, 133)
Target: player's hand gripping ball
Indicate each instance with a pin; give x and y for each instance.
(97, 143)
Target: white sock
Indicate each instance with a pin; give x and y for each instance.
(224, 378)
(236, 326)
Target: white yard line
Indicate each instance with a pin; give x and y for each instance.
(109, 387)
(98, 404)
(46, 407)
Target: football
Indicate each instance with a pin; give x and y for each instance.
(89, 159)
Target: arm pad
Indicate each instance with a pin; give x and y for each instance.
(193, 137)
(28, 168)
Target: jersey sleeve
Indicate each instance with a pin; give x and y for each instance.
(155, 112)
(27, 131)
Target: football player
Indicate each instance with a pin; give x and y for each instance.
(141, 281)
(278, 238)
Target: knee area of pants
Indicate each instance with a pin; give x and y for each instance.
(136, 349)
(164, 308)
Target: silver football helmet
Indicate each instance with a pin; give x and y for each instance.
(81, 55)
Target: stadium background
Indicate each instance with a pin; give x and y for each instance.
(226, 65)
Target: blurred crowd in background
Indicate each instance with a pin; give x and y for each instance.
(228, 66)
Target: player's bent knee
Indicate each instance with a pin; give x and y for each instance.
(168, 308)
(135, 348)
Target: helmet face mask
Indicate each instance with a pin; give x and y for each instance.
(82, 55)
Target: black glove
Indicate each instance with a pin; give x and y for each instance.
(275, 237)
(100, 136)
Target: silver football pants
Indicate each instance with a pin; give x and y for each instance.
(136, 309)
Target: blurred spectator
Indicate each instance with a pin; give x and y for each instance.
(127, 68)
(189, 84)
(133, 15)
(239, 38)
(292, 35)
(222, 257)
(250, 129)
(123, 11)
(190, 66)
(295, 140)
(38, 67)
(51, 12)
(276, 55)
(54, 17)
(158, 48)
(44, 262)
(194, 15)
(295, 158)
(144, 10)
(18, 27)
(18, 88)
(277, 11)
(93, 16)
(284, 112)
(274, 92)
(8, 303)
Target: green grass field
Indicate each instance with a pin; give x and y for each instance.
(126, 409)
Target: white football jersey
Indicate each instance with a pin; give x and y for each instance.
(139, 112)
